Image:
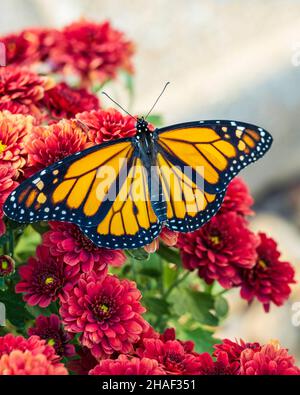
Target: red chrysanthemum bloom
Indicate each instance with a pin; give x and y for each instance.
(45, 40)
(7, 185)
(93, 51)
(21, 90)
(49, 144)
(13, 130)
(237, 198)
(171, 355)
(269, 280)
(69, 242)
(219, 249)
(30, 46)
(170, 334)
(62, 101)
(7, 265)
(270, 360)
(51, 330)
(126, 365)
(108, 313)
(28, 357)
(230, 352)
(219, 367)
(84, 363)
(107, 125)
(19, 49)
(45, 278)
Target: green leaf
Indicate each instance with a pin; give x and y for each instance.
(198, 304)
(139, 254)
(27, 244)
(169, 254)
(170, 274)
(221, 306)
(203, 339)
(40, 227)
(35, 311)
(152, 267)
(156, 306)
(16, 312)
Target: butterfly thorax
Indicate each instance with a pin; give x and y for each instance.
(144, 138)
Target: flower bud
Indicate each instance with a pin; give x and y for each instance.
(7, 265)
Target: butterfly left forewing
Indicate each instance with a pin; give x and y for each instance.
(72, 190)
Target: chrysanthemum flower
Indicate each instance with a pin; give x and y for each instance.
(44, 41)
(270, 279)
(24, 363)
(21, 90)
(45, 278)
(219, 367)
(126, 365)
(107, 125)
(219, 249)
(19, 49)
(51, 330)
(228, 354)
(49, 144)
(13, 130)
(84, 363)
(237, 198)
(170, 334)
(7, 265)
(75, 249)
(108, 313)
(7, 185)
(93, 51)
(28, 357)
(171, 355)
(270, 360)
(62, 101)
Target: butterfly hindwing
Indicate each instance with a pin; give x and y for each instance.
(130, 221)
(197, 160)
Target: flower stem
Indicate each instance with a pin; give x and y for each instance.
(175, 284)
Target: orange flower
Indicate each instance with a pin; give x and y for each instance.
(13, 130)
(21, 90)
(49, 144)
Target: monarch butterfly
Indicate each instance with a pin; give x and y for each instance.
(149, 185)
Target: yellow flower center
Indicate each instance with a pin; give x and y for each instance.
(51, 342)
(2, 147)
(4, 265)
(262, 264)
(49, 280)
(215, 240)
(103, 307)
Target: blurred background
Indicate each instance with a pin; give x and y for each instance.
(226, 59)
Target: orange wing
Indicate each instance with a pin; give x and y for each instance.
(196, 162)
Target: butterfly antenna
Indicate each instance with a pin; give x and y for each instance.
(161, 93)
(105, 94)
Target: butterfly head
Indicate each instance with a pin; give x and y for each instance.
(141, 125)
